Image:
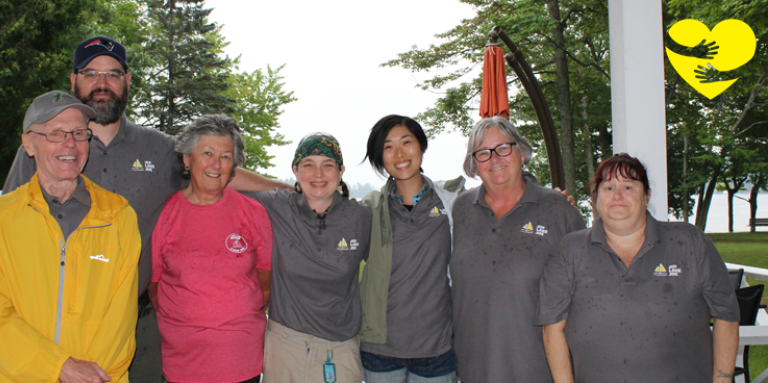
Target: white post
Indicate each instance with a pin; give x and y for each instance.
(637, 91)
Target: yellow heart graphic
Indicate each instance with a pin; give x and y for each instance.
(731, 44)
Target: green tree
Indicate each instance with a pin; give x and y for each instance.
(565, 41)
(259, 99)
(37, 39)
(188, 74)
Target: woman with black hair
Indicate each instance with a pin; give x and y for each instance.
(406, 298)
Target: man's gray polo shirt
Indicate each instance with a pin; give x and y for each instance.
(645, 323)
(71, 213)
(140, 164)
(316, 263)
(495, 271)
(419, 299)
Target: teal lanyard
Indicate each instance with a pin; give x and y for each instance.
(329, 369)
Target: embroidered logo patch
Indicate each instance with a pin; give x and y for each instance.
(236, 243)
(136, 167)
(435, 212)
(660, 271)
(343, 245)
(541, 230)
(149, 166)
(674, 271)
(527, 228)
(353, 244)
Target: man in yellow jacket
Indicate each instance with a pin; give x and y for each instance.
(69, 254)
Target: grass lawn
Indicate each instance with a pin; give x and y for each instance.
(750, 249)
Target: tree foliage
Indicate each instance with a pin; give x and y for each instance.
(37, 39)
(710, 142)
(174, 53)
(187, 74)
(259, 101)
(564, 41)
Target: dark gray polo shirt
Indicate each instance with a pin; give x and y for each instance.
(419, 300)
(315, 272)
(140, 164)
(645, 323)
(495, 269)
(70, 213)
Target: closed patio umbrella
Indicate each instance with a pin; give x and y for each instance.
(494, 101)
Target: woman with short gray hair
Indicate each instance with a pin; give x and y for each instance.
(503, 233)
(211, 264)
(212, 125)
(506, 128)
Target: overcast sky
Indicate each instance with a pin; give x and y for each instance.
(333, 51)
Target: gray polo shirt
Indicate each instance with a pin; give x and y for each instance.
(69, 214)
(315, 271)
(645, 323)
(140, 164)
(495, 269)
(419, 300)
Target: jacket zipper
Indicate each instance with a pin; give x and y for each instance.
(62, 273)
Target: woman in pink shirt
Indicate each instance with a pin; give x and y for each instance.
(211, 262)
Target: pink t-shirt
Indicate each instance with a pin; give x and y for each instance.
(210, 305)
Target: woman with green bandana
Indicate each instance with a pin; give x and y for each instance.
(320, 237)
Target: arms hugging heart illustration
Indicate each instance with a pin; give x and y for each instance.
(731, 44)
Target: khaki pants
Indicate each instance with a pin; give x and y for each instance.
(291, 356)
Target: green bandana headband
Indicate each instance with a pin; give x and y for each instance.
(318, 144)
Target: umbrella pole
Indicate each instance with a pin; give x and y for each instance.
(531, 85)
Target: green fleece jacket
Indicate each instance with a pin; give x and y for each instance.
(374, 286)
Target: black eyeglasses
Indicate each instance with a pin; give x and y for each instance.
(61, 135)
(501, 150)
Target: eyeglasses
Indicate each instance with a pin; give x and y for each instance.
(61, 135)
(502, 150)
(93, 76)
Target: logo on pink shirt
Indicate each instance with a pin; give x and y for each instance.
(235, 243)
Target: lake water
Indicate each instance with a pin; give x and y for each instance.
(717, 220)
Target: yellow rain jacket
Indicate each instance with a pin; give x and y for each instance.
(66, 297)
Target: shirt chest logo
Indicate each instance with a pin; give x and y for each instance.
(661, 271)
(147, 166)
(435, 212)
(343, 246)
(528, 229)
(236, 243)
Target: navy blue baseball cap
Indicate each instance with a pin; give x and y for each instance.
(97, 46)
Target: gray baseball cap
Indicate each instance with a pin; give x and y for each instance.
(49, 105)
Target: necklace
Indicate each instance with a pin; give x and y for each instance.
(321, 216)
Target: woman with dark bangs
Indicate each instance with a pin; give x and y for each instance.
(406, 298)
(632, 297)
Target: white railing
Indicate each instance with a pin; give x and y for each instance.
(757, 334)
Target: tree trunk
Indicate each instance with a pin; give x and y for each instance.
(737, 184)
(753, 207)
(589, 157)
(758, 183)
(700, 204)
(703, 209)
(564, 98)
(685, 176)
(731, 193)
(587, 144)
(171, 96)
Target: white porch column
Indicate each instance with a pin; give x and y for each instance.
(637, 91)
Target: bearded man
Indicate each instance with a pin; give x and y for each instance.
(136, 162)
